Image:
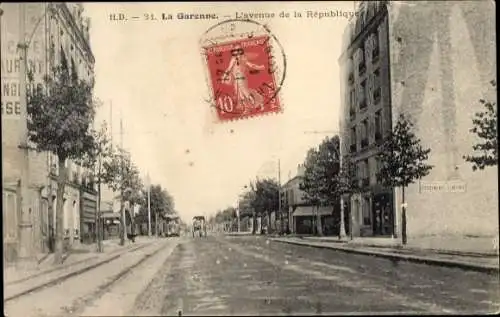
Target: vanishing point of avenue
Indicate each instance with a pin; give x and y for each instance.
(171, 159)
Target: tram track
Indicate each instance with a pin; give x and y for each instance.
(51, 281)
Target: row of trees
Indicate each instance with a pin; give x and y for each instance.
(61, 119)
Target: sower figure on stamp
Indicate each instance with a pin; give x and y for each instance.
(236, 73)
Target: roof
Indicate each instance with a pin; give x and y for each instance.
(292, 180)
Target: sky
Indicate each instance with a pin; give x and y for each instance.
(151, 74)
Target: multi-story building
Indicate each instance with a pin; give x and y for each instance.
(54, 31)
(432, 61)
(302, 216)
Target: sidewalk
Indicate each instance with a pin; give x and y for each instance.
(80, 253)
(454, 245)
(473, 255)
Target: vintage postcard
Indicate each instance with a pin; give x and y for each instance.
(249, 158)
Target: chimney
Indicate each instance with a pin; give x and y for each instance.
(300, 170)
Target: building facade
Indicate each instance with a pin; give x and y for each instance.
(432, 61)
(54, 31)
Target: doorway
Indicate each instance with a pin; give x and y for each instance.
(383, 215)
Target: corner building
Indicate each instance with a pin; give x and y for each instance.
(54, 31)
(432, 61)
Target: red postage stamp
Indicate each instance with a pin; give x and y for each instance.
(242, 78)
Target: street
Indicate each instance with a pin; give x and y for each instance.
(222, 275)
(250, 275)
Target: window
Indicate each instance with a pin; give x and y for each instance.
(350, 79)
(362, 95)
(376, 47)
(378, 125)
(361, 65)
(377, 90)
(352, 100)
(366, 212)
(364, 133)
(352, 147)
(366, 179)
(376, 75)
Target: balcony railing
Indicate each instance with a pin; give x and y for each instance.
(352, 148)
(364, 143)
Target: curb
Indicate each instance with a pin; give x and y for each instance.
(69, 275)
(404, 257)
(409, 249)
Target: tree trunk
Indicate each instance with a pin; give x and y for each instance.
(254, 222)
(319, 228)
(403, 218)
(342, 233)
(59, 238)
(50, 215)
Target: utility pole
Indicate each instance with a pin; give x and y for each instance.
(122, 184)
(148, 180)
(156, 223)
(98, 211)
(279, 197)
(25, 224)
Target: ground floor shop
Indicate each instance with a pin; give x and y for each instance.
(371, 213)
(305, 220)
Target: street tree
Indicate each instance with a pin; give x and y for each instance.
(93, 161)
(266, 197)
(403, 161)
(246, 204)
(60, 118)
(310, 184)
(161, 204)
(121, 174)
(322, 182)
(485, 128)
(228, 215)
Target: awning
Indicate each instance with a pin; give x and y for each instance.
(311, 211)
(114, 215)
